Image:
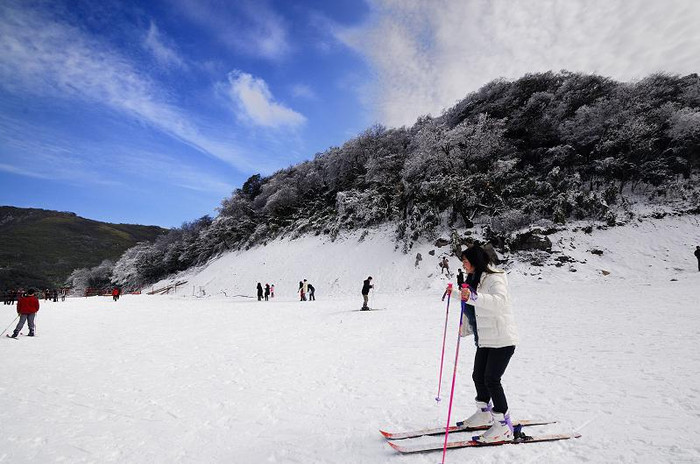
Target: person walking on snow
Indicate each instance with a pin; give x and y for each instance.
(260, 292)
(445, 266)
(312, 290)
(366, 285)
(302, 295)
(272, 291)
(697, 255)
(115, 294)
(267, 292)
(496, 336)
(27, 307)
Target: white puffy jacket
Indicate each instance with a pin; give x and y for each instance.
(495, 323)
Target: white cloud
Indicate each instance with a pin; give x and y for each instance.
(45, 57)
(428, 54)
(254, 99)
(164, 54)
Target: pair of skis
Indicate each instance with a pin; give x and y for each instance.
(420, 448)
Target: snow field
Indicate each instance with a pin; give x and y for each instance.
(177, 379)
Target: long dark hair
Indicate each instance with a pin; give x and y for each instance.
(481, 261)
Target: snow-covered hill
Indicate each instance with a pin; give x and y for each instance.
(643, 251)
(223, 378)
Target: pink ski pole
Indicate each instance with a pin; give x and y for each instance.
(454, 376)
(444, 336)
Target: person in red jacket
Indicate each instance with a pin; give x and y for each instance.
(115, 294)
(27, 306)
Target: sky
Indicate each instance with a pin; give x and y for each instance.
(154, 112)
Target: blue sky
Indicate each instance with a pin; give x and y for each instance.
(153, 112)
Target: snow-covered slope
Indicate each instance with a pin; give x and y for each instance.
(642, 251)
(177, 379)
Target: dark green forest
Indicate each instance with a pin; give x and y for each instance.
(549, 147)
(40, 248)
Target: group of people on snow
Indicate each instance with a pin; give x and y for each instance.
(307, 291)
(268, 293)
(9, 296)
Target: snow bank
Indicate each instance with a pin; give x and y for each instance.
(641, 251)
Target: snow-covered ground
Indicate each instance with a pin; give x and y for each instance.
(224, 378)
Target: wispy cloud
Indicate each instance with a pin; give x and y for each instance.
(303, 91)
(169, 170)
(166, 55)
(428, 54)
(253, 97)
(249, 28)
(44, 56)
(33, 151)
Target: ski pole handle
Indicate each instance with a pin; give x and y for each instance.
(465, 287)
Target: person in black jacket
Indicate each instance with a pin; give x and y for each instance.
(260, 292)
(312, 291)
(697, 255)
(366, 285)
(267, 292)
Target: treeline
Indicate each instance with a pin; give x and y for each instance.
(554, 146)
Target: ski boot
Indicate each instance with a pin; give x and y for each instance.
(500, 431)
(482, 417)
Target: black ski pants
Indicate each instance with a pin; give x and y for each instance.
(489, 366)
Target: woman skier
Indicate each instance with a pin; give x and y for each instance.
(496, 336)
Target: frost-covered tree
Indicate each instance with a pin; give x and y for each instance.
(99, 277)
(545, 147)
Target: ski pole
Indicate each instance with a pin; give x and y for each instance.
(454, 376)
(13, 321)
(444, 336)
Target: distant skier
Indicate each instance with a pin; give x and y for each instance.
(115, 293)
(272, 291)
(312, 290)
(497, 336)
(697, 255)
(267, 292)
(27, 307)
(460, 278)
(260, 292)
(366, 286)
(302, 295)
